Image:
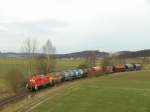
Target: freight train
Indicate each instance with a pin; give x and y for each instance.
(35, 82)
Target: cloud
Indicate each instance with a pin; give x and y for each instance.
(3, 29)
(48, 26)
(13, 33)
(79, 25)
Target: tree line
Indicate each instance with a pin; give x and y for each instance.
(36, 64)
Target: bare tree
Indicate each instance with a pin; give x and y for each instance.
(106, 61)
(49, 50)
(41, 64)
(118, 60)
(30, 48)
(91, 58)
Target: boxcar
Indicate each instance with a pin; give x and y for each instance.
(119, 68)
(108, 69)
(96, 69)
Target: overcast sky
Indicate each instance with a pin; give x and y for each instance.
(76, 25)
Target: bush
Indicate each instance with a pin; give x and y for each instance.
(15, 79)
(82, 66)
(106, 61)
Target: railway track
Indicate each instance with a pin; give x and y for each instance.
(14, 98)
(24, 94)
(31, 106)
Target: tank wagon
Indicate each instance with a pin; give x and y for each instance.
(71, 74)
(137, 66)
(65, 76)
(77, 74)
(129, 67)
(35, 82)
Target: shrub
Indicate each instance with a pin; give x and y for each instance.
(82, 66)
(15, 79)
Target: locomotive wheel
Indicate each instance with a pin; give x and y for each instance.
(53, 83)
(27, 86)
(36, 88)
(32, 89)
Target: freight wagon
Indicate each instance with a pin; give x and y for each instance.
(65, 76)
(57, 77)
(137, 66)
(108, 69)
(119, 68)
(129, 67)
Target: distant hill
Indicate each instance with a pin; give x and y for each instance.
(126, 54)
(123, 52)
(82, 54)
(133, 54)
(69, 55)
(11, 54)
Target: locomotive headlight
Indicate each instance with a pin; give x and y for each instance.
(50, 78)
(27, 85)
(32, 80)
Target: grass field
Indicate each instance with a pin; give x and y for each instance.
(8, 63)
(121, 92)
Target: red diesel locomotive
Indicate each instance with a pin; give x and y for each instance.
(37, 81)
